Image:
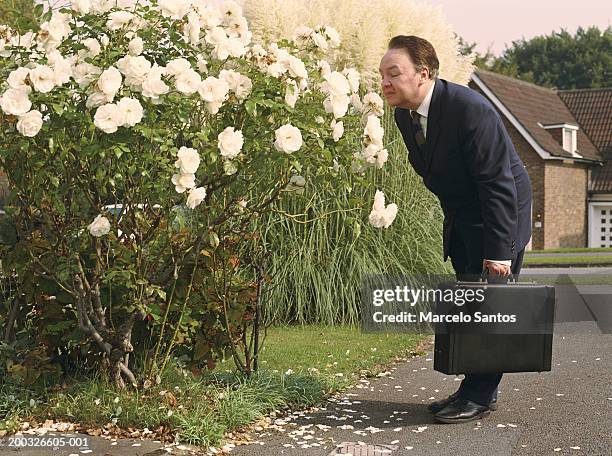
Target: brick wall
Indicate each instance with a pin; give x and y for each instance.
(566, 204)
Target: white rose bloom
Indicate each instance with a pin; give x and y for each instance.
(356, 102)
(193, 27)
(43, 78)
(136, 46)
(209, 14)
(92, 48)
(337, 130)
(302, 33)
(239, 84)
(319, 41)
(230, 142)
(174, 9)
(17, 79)
(30, 123)
(110, 81)
(102, 6)
(183, 182)
(337, 84)
(108, 118)
(96, 99)
(324, 68)
(213, 106)
(62, 68)
(382, 216)
(53, 32)
(153, 86)
(333, 36)
(100, 226)
(188, 160)
(230, 10)
(85, 73)
(337, 104)
(119, 19)
(297, 69)
(131, 110)
(373, 102)
(213, 90)
(81, 6)
(374, 131)
(319, 120)
(135, 69)
(231, 47)
(104, 40)
(288, 139)
(381, 157)
(201, 64)
(292, 93)
(196, 196)
(352, 75)
(177, 66)
(15, 102)
(276, 69)
(188, 82)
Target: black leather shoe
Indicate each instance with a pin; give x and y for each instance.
(462, 411)
(435, 407)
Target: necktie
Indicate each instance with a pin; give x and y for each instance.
(418, 130)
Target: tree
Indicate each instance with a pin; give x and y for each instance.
(480, 60)
(561, 60)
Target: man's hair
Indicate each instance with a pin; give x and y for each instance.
(420, 51)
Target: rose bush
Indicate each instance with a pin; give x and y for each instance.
(141, 143)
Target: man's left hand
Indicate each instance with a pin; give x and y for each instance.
(496, 269)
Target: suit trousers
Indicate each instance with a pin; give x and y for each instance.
(467, 257)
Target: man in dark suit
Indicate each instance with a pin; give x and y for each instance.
(458, 144)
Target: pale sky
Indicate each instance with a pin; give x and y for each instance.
(499, 22)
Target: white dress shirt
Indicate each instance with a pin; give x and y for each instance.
(423, 110)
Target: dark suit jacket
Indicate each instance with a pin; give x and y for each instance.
(469, 162)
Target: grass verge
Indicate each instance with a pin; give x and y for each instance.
(570, 250)
(569, 259)
(300, 367)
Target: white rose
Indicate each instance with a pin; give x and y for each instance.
(153, 86)
(96, 99)
(62, 68)
(17, 79)
(131, 111)
(192, 29)
(119, 19)
(356, 102)
(135, 70)
(93, 48)
(177, 66)
(239, 84)
(381, 157)
(291, 93)
(102, 6)
(337, 104)
(55, 30)
(174, 9)
(302, 33)
(136, 46)
(201, 64)
(275, 69)
(30, 123)
(100, 226)
(104, 40)
(230, 142)
(374, 131)
(43, 78)
(85, 73)
(324, 68)
(196, 196)
(333, 36)
(213, 106)
(213, 89)
(81, 6)
(297, 69)
(373, 102)
(337, 130)
(230, 10)
(188, 82)
(108, 118)
(352, 75)
(183, 182)
(288, 139)
(188, 160)
(381, 216)
(319, 41)
(15, 102)
(337, 84)
(110, 81)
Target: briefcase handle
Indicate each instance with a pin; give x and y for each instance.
(485, 273)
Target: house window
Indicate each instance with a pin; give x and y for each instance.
(569, 139)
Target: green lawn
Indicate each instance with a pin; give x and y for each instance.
(300, 367)
(567, 259)
(570, 250)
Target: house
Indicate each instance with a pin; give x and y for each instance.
(564, 139)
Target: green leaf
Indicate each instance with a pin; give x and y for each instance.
(230, 168)
(251, 107)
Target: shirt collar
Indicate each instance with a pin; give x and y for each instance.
(423, 109)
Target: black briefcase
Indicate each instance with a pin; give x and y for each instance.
(510, 329)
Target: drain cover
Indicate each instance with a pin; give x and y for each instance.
(355, 449)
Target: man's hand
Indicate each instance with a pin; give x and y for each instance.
(496, 269)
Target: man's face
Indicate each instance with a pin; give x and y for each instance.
(401, 82)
